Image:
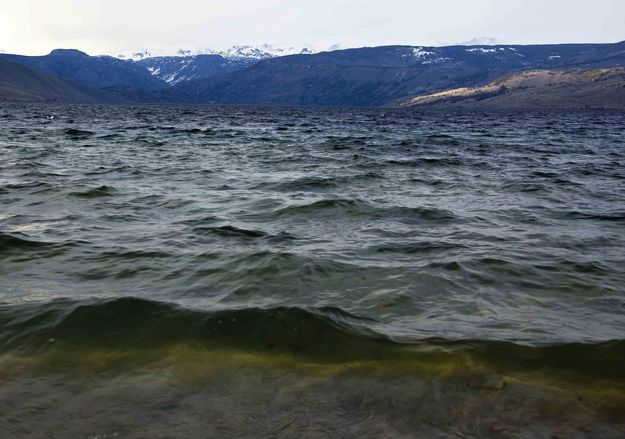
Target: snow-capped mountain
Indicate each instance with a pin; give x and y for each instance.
(185, 65)
(263, 51)
(176, 69)
(191, 64)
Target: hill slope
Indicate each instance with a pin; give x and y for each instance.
(602, 88)
(20, 83)
(97, 71)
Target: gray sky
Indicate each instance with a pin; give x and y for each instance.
(122, 26)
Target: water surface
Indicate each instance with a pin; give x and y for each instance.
(320, 272)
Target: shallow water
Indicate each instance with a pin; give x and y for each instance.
(319, 272)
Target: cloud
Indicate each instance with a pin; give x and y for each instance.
(115, 26)
(480, 41)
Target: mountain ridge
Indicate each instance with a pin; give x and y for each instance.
(261, 51)
(370, 76)
(97, 71)
(379, 76)
(188, 65)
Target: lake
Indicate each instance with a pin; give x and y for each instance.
(170, 271)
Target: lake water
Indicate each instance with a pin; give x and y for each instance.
(230, 271)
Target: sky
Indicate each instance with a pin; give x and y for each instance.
(114, 27)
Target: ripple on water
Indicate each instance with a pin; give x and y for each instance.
(418, 221)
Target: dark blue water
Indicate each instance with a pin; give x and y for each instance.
(361, 250)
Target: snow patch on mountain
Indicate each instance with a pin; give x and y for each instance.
(499, 52)
(482, 50)
(419, 52)
(424, 56)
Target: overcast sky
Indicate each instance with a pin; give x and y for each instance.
(122, 26)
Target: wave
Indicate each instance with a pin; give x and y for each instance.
(416, 247)
(428, 161)
(321, 334)
(443, 139)
(76, 134)
(110, 136)
(17, 241)
(345, 142)
(357, 208)
(231, 231)
(38, 185)
(134, 322)
(312, 183)
(607, 216)
(21, 247)
(177, 130)
(101, 191)
(528, 187)
(304, 183)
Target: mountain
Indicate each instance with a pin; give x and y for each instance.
(370, 76)
(263, 51)
(176, 69)
(188, 65)
(20, 83)
(601, 88)
(383, 75)
(97, 71)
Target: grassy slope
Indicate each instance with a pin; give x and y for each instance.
(602, 88)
